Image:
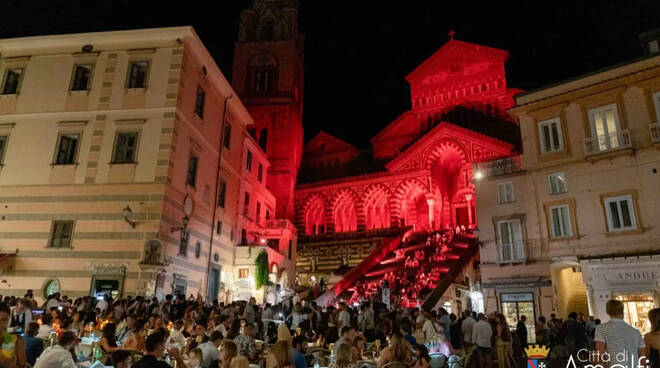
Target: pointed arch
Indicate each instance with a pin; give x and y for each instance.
(444, 145)
(376, 203)
(314, 214)
(344, 211)
(410, 203)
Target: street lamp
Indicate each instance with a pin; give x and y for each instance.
(128, 212)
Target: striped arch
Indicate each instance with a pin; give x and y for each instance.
(375, 205)
(399, 205)
(444, 145)
(315, 214)
(344, 211)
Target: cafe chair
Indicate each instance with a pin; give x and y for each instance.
(438, 360)
(366, 364)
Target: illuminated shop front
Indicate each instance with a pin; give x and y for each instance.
(634, 280)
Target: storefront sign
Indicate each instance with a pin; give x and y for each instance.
(517, 297)
(626, 276)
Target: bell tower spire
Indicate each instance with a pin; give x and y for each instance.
(268, 76)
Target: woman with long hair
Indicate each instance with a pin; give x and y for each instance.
(343, 359)
(137, 340)
(398, 351)
(282, 351)
(108, 338)
(357, 350)
(652, 339)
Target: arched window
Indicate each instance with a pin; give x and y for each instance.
(262, 74)
(266, 32)
(345, 213)
(315, 222)
(51, 287)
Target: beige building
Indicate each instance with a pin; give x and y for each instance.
(572, 221)
(109, 175)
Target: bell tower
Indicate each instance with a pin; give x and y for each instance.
(268, 76)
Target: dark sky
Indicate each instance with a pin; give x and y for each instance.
(358, 52)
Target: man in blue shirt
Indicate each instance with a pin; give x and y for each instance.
(406, 330)
(33, 346)
(299, 352)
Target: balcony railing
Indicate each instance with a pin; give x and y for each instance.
(523, 251)
(655, 132)
(607, 143)
(502, 166)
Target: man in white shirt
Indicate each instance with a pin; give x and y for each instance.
(45, 329)
(249, 313)
(58, 356)
(344, 317)
(53, 302)
(20, 315)
(102, 304)
(617, 338)
(482, 333)
(466, 328)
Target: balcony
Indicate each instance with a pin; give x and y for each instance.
(500, 167)
(523, 251)
(655, 132)
(607, 143)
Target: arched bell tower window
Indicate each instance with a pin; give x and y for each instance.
(266, 32)
(263, 74)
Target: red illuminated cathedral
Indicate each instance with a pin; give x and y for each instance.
(389, 212)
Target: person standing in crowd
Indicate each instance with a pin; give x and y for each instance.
(432, 328)
(482, 333)
(521, 331)
(249, 312)
(652, 339)
(503, 341)
(616, 336)
(466, 328)
(445, 322)
(455, 332)
(344, 317)
(577, 334)
(57, 356)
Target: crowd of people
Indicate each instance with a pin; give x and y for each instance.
(140, 332)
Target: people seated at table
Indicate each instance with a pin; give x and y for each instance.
(282, 355)
(246, 344)
(299, 343)
(342, 358)
(121, 359)
(155, 348)
(20, 315)
(210, 349)
(125, 329)
(34, 346)
(357, 350)
(347, 336)
(239, 362)
(195, 357)
(398, 351)
(108, 341)
(137, 341)
(235, 328)
(45, 329)
(200, 336)
(228, 351)
(56, 356)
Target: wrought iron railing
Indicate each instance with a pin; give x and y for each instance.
(523, 251)
(655, 132)
(607, 142)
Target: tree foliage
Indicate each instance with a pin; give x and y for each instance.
(261, 263)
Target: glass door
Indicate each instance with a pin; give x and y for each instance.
(514, 306)
(636, 309)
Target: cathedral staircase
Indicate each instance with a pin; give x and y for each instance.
(438, 265)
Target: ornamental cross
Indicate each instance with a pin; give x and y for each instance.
(451, 34)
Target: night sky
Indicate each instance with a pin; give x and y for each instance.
(357, 53)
